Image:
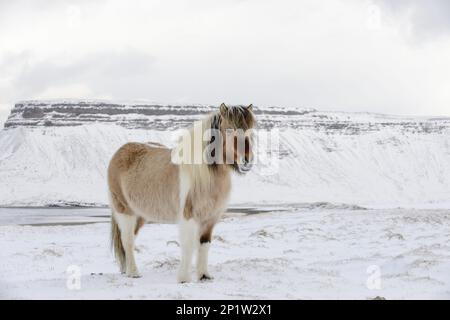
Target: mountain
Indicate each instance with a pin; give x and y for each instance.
(56, 153)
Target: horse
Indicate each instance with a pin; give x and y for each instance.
(188, 184)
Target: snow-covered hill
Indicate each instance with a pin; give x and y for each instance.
(56, 152)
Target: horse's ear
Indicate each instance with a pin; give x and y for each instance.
(250, 107)
(223, 109)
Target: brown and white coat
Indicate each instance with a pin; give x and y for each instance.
(146, 184)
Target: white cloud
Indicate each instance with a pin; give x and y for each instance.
(426, 20)
(71, 91)
(342, 55)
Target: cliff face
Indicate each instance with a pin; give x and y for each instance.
(168, 117)
(56, 152)
(131, 116)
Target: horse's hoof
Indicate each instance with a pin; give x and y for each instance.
(134, 275)
(205, 277)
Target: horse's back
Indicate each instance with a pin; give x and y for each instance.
(143, 180)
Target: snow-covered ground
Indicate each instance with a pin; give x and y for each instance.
(387, 168)
(4, 112)
(57, 153)
(297, 253)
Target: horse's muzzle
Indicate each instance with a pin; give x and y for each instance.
(245, 166)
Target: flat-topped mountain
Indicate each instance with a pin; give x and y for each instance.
(57, 152)
(154, 116)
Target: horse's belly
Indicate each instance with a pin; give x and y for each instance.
(158, 218)
(157, 210)
(152, 188)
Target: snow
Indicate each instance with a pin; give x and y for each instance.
(298, 253)
(388, 168)
(56, 153)
(347, 196)
(4, 111)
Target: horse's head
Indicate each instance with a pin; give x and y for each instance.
(236, 126)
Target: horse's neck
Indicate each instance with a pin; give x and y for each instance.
(221, 178)
(217, 178)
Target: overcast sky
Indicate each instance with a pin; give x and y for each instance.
(352, 55)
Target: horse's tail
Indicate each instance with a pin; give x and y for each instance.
(116, 244)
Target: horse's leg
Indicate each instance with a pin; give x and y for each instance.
(203, 249)
(139, 224)
(188, 237)
(127, 225)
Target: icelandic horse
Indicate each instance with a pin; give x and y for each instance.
(188, 185)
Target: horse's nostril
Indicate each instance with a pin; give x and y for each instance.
(247, 165)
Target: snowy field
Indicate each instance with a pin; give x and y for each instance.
(295, 253)
(55, 153)
(356, 158)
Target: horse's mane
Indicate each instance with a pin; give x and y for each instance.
(239, 117)
(200, 172)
